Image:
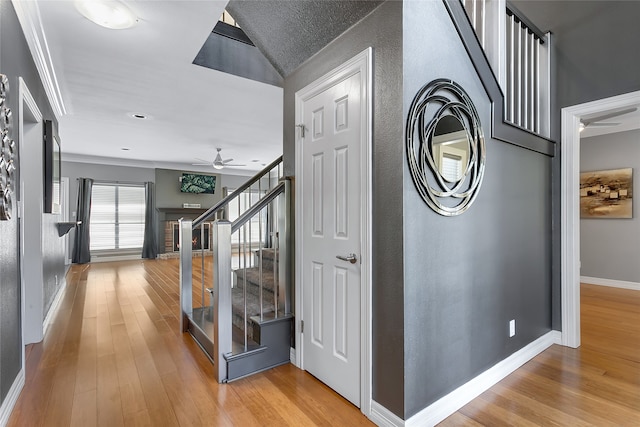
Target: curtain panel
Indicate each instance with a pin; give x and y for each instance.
(81, 252)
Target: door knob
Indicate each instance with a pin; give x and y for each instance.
(352, 258)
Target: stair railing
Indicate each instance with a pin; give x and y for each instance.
(519, 56)
(211, 324)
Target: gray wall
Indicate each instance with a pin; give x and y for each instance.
(167, 186)
(465, 277)
(15, 61)
(594, 45)
(75, 170)
(609, 247)
(168, 193)
(382, 30)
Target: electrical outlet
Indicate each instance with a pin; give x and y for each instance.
(512, 328)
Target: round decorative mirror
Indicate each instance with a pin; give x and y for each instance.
(450, 146)
(445, 147)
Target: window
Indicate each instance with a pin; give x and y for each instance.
(117, 217)
(237, 207)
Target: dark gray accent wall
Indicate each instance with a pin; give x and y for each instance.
(169, 195)
(240, 59)
(382, 30)
(16, 61)
(593, 57)
(466, 277)
(609, 247)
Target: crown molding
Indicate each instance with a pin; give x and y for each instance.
(135, 163)
(29, 16)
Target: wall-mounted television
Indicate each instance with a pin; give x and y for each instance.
(51, 167)
(197, 184)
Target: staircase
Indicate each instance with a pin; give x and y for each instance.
(250, 278)
(268, 336)
(247, 327)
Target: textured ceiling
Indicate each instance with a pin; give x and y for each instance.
(290, 32)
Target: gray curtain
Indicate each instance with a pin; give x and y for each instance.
(149, 246)
(81, 252)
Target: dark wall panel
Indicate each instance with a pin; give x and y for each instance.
(593, 48)
(465, 277)
(16, 61)
(382, 30)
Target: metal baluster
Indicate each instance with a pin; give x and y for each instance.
(202, 271)
(244, 281)
(261, 262)
(511, 80)
(276, 246)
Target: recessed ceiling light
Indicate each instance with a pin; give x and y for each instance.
(111, 14)
(125, 149)
(255, 161)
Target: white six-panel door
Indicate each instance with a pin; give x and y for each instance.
(331, 213)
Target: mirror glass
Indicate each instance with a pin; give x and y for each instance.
(450, 144)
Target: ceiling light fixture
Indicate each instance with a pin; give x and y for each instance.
(111, 14)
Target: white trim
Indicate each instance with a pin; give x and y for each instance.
(54, 307)
(383, 417)
(570, 208)
(25, 99)
(11, 399)
(611, 283)
(361, 63)
(292, 355)
(447, 405)
(29, 16)
(137, 163)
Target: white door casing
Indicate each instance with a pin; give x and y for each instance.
(30, 213)
(570, 207)
(333, 217)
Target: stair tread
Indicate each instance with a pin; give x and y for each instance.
(253, 278)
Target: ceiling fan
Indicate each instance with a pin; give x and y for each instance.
(598, 121)
(217, 163)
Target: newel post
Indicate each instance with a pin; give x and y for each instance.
(221, 297)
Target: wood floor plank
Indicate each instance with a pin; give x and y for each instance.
(85, 412)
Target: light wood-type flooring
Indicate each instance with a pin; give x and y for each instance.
(597, 384)
(114, 356)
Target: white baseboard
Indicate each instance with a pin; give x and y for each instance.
(383, 417)
(54, 307)
(611, 283)
(12, 398)
(447, 405)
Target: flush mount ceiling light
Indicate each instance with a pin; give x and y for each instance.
(111, 14)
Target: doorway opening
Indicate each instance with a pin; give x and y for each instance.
(572, 118)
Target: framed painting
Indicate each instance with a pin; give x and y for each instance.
(606, 194)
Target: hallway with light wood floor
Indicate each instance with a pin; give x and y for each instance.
(114, 355)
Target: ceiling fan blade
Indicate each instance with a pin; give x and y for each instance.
(227, 161)
(206, 162)
(608, 116)
(233, 164)
(200, 164)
